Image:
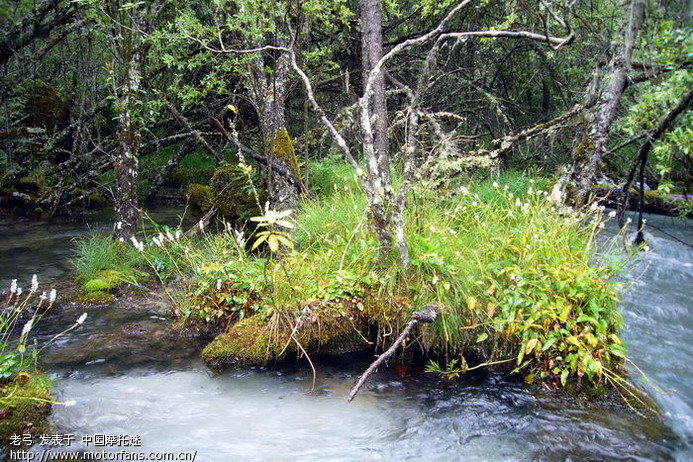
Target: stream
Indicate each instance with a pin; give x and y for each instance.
(131, 374)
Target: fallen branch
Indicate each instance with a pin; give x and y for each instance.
(200, 225)
(427, 315)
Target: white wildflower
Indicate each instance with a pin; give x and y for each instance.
(601, 225)
(81, 319)
(506, 187)
(644, 220)
(593, 206)
(629, 220)
(34, 284)
(495, 184)
(170, 236)
(475, 203)
(518, 202)
(531, 181)
(556, 195)
(476, 196)
(119, 225)
(432, 228)
(530, 191)
(157, 241)
(464, 190)
(43, 296)
(201, 224)
(177, 235)
(27, 327)
(51, 296)
(137, 244)
(13, 286)
(240, 239)
(612, 214)
(452, 231)
(19, 291)
(434, 280)
(646, 248)
(218, 284)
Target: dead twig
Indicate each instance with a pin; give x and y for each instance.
(427, 315)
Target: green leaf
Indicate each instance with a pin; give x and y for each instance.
(564, 376)
(483, 336)
(285, 224)
(273, 242)
(259, 241)
(530, 345)
(548, 343)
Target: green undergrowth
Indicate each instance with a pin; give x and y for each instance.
(520, 282)
(25, 393)
(103, 264)
(25, 403)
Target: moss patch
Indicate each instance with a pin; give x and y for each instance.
(187, 176)
(25, 405)
(232, 194)
(321, 329)
(285, 150)
(200, 196)
(105, 280)
(245, 344)
(97, 295)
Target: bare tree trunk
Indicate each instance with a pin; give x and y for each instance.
(372, 52)
(125, 159)
(374, 125)
(270, 94)
(590, 143)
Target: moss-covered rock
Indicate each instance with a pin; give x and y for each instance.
(97, 295)
(200, 196)
(321, 329)
(245, 344)
(104, 281)
(25, 405)
(232, 193)
(187, 176)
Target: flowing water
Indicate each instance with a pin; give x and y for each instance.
(130, 374)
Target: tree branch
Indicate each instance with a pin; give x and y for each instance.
(427, 315)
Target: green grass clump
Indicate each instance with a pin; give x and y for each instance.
(102, 263)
